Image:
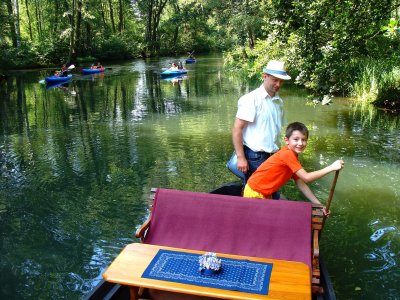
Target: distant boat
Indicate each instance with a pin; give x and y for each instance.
(91, 71)
(190, 60)
(168, 73)
(57, 79)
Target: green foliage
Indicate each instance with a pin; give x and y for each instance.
(322, 41)
(250, 62)
(24, 56)
(117, 47)
(378, 83)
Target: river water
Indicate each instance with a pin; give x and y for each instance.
(77, 163)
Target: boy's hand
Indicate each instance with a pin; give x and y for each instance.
(326, 213)
(338, 165)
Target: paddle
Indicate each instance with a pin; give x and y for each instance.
(328, 204)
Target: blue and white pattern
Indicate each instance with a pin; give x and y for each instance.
(239, 275)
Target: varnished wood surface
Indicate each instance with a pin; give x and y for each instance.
(289, 280)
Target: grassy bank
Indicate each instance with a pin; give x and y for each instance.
(378, 84)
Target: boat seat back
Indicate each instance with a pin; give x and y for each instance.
(230, 224)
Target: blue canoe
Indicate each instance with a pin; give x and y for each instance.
(92, 71)
(173, 73)
(57, 79)
(190, 60)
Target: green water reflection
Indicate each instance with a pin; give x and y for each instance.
(77, 163)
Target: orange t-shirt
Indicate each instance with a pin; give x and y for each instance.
(273, 173)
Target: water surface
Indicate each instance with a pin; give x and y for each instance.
(78, 161)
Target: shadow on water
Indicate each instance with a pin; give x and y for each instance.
(77, 168)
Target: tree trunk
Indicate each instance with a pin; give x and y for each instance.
(72, 50)
(78, 27)
(149, 26)
(102, 14)
(38, 19)
(121, 17)
(176, 31)
(56, 17)
(111, 15)
(154, 11)
(17, 27)
(29, 20)
(12, 23)
(252, 42)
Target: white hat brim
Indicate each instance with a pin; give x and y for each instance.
(278, 74)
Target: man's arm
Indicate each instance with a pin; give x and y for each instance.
(237, 139)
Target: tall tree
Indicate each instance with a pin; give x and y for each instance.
(13, 21)
(121, 16)
(72, 41)
(29, 20)
(111, 15)
(152, 9)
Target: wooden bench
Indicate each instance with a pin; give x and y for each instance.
(286, 230)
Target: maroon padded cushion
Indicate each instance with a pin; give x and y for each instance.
(229, 224)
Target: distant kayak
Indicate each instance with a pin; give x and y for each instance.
(173, 73)
(190, 60)
(56, 79)
(91, 71)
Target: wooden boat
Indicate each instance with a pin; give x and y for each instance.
(106, 290)
(169, 73)
(57, 79)
(92, 71)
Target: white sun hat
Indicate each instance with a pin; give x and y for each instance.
(276, 68)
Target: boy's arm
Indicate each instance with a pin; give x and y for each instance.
(312, 176)
(305, 189)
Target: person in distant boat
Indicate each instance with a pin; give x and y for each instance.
(63, 72)
(256, 133)
(174, 67)
(99, 66)
(272, 174)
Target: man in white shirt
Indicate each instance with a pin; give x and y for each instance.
(256, 132)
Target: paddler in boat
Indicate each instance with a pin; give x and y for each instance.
(174, 67)
(62, 72)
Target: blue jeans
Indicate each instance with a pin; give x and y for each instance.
(255, 159)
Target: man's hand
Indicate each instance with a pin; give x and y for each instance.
(242, 164)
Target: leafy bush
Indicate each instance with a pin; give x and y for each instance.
(117, 47)
(378, 83)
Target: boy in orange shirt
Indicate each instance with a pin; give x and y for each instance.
(272, 174)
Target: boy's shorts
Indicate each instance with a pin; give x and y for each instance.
(250, 193)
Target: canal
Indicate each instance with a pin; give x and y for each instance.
(77, 163)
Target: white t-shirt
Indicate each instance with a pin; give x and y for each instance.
(265, 116)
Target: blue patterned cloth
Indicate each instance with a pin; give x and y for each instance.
(238, 275)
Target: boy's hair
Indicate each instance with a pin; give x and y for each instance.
(296, 126)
